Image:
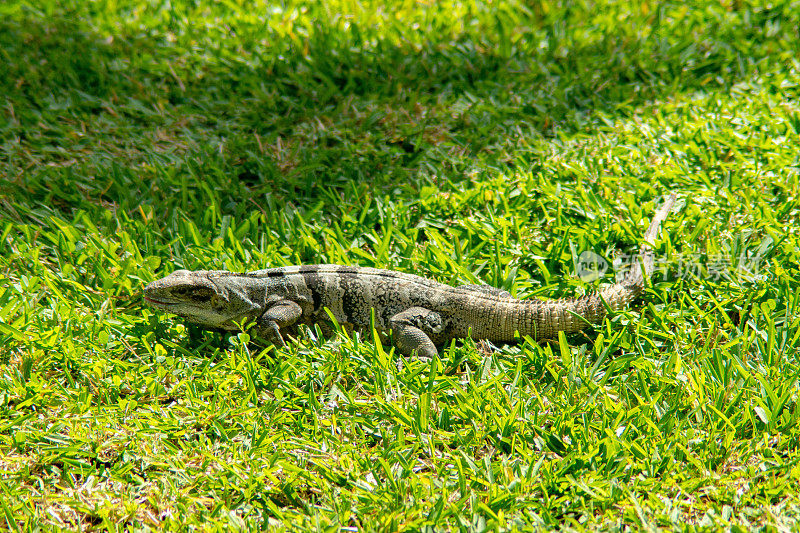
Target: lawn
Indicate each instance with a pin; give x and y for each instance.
(474, 142)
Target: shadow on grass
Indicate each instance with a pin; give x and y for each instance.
(339, 105)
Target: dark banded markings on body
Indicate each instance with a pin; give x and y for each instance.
(315, 284)
(353, 299)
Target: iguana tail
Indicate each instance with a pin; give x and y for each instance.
(544, 319)
(634, 281)
(619, 295)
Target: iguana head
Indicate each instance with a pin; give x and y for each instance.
(196, 296)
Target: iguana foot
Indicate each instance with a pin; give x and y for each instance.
(410, 329)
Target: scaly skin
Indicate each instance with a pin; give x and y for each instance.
(420, 313)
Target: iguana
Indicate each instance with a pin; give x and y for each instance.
(420, 313)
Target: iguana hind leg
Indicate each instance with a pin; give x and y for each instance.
(411, 329)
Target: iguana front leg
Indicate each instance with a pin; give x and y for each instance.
(411, 329)
(279, 314)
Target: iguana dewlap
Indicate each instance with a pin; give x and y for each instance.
(420, 313)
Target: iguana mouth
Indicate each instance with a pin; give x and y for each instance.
(158, 302)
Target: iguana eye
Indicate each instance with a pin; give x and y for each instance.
(201, 294)
(198, 294)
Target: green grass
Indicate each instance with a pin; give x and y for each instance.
(469, 143)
